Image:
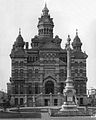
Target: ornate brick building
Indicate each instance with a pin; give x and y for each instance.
(39, 73)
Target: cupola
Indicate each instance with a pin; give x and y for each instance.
(45, 24)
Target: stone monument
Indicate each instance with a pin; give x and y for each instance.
(69, 107)
(70, 103)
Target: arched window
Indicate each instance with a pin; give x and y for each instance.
(16, 73)
(76, 64)
(16, 101)
(29, 89)
(21, 64)
(81, 71)
(36, 71)
(21, 72)
(16, 88)
(36, 88)
(81, 64)
(21, 89)
(21, 101)
(49, 87)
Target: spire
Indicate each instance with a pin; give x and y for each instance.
(76, 32)
(19, 40)
(19, 31)
(45, 10)
(45, 5)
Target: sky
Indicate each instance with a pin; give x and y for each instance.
(68, 15)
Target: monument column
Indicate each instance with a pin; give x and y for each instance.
(51, 102)
(69, 91)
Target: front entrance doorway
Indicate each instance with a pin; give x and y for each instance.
(47, 102)
(49, 87)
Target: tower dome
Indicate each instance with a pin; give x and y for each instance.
(19, 40)
(45, 24)
(77, 42)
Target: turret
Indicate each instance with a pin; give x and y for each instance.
(45, 24)
(76, 44)
(18, 46)
(19, 43)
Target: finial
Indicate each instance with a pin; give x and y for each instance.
(76, 32)
(19, 31)
(45, 10)
(68, 41)
(68, 36)
(45, 5)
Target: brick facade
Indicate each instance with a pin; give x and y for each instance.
(38, 73)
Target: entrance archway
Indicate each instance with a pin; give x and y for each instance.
(49, 87)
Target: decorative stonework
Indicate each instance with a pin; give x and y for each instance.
(45, 60)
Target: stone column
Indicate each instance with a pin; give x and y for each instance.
(12, 101)
(34, 101)
(25, 100)
(69, 91)
(69, 81)
(51, 103)
(18, 100)
(42, 100)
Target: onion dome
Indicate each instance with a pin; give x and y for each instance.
(45, 24)
(19, 43)
(77, 43)
(18, 47)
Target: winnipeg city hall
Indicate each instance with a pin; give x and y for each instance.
(38, 74)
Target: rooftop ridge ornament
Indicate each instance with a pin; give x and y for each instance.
(19, 31)
(45, 10)
(68, 42)
(76, 32)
